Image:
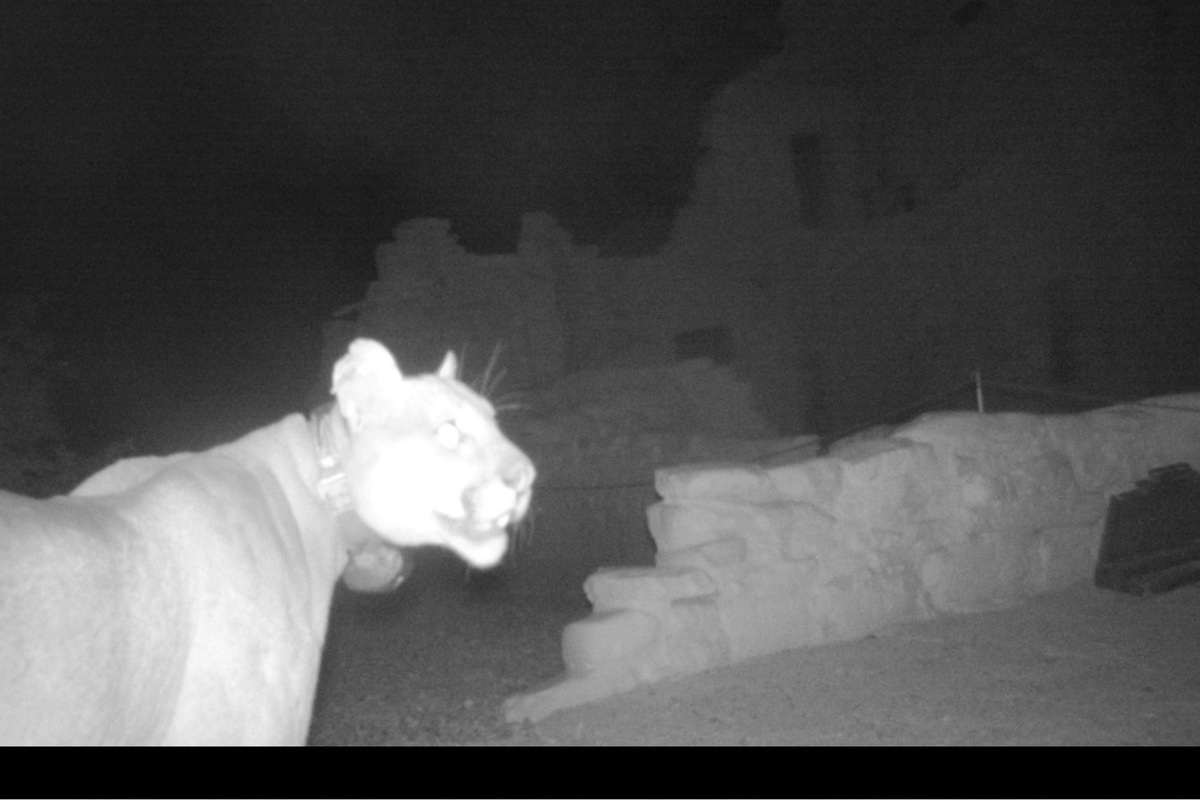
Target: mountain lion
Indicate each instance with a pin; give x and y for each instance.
(184, 600)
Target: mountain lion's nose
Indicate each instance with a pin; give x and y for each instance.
(521, 477)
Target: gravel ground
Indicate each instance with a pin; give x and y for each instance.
(432, 663)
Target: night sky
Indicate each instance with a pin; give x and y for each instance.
(197, 185)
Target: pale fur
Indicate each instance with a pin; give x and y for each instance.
(184, 600)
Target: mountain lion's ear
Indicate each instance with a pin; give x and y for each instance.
(449, 367)
(362, 377)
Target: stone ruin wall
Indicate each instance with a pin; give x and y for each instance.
(955, 512)
(555, 308)
(589, 359)
(432, 295)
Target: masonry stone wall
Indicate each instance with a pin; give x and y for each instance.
(433, 295)
(953, 513)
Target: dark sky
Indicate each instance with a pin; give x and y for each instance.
(468, 108)
(201, 183)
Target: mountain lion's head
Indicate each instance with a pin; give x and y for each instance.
(420, 459)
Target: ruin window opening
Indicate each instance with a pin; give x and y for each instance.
(714, 342)
(810, 178)
(969, 12)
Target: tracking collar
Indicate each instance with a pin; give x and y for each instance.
(331, 483)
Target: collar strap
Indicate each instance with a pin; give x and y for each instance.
(331, 483)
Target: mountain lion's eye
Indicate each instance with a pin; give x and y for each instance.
(448, 435)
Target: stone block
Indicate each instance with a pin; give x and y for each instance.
(692, 482)
(645, 587)
(607, 637)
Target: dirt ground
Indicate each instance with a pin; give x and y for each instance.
(432, 663)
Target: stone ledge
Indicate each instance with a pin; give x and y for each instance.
(954, 513)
